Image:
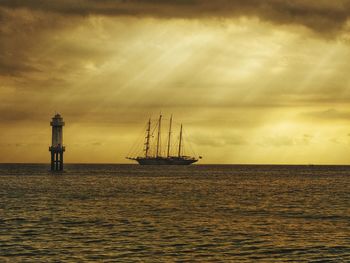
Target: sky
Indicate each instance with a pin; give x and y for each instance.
(253, 82)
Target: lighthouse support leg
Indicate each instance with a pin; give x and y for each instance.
(61, 161)
(52, 161)
(57, 162)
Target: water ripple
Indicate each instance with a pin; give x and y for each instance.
(129, 213)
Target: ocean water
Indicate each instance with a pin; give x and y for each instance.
(199, 213)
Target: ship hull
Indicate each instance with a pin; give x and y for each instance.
(165, 161)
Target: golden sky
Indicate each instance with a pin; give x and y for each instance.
(253, 81)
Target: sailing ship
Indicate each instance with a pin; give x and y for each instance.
(154, 156)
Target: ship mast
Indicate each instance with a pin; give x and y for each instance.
(148, 136)
(169, 138)
(158, 137)
(180, 142)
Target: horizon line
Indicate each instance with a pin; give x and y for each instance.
(211, 164)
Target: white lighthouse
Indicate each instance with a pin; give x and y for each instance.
(57, 147)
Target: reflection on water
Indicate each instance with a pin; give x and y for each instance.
(157, 214)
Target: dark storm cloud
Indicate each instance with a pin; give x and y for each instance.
(21, 30)
(24, 25)
(8, 68)
(26, 36)
(319, 15)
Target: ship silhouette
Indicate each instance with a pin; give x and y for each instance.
(152, 152)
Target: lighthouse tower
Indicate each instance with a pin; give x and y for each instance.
(57, 147)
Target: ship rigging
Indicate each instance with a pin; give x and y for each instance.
(156, 157)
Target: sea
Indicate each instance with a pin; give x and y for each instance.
(198, 213)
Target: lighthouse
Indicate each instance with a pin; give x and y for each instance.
(57, 147)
